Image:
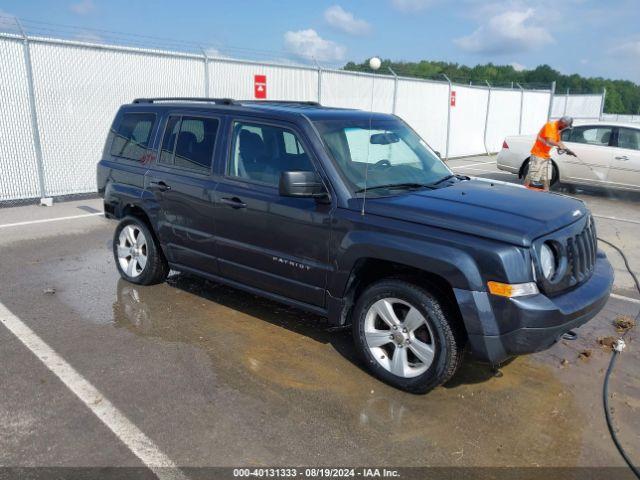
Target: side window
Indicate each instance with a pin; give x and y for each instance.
(291, 144)
(261, 153)
(591, 135)
(132, 136)
(629, 138)
(188, 142)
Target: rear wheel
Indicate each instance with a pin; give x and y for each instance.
(555, 175)
(137, 253)
(403, 337)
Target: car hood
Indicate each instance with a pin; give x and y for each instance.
(490, 209)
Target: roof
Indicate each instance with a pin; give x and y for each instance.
(312, 110)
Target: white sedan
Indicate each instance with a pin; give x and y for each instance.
(607, 155)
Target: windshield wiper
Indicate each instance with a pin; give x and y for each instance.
(395, 185)
(442, 180)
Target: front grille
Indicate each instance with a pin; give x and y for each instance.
(581, 253)
(576, 247)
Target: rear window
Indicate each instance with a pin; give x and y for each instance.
(629, 138)
(131, 137)
(188, 142)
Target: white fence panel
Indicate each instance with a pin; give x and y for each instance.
(423, 105)
(504, 117)
(78, 91)
(585, 106)
(467, 121)
(535, 109)
(349, 90)
(18, 167)
(559, 106)
(233, 79)
(621, 117)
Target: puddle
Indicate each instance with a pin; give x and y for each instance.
(282, 354)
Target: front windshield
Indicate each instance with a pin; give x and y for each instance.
(386, 154)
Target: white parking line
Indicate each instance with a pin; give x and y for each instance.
(472, 164)
(476, 170)
(617, 219)
(141, 445)
(625, 299)
(47, 220)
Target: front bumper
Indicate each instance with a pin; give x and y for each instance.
(499, 328)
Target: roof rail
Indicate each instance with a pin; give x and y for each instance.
(283, 102)
(221, 101)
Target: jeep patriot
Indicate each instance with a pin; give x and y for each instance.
(350, 215)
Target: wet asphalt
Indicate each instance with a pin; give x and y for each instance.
(218, 377)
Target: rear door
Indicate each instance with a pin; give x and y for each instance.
(625, 163)
(591, 144)
(182, 184)
(273, 243)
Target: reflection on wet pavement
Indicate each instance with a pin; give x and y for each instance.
(278, 352)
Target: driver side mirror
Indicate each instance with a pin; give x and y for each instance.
(301, 185)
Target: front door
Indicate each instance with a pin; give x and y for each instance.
(182, 184)
(273, 243)
(625, 164)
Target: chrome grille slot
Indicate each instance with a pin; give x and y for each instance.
(582, 254)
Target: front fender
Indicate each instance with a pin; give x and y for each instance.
(455, 265)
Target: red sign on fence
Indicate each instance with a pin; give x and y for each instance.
(260, 86)
(453, 98)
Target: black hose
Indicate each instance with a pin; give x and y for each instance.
(607, 414)
(626, 262)
(605, 387)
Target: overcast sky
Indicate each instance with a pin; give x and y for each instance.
(593, 38)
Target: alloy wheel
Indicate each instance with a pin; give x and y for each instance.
(132, 250)
(399, 337)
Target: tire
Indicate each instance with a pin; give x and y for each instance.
(408, 303)
(137, 253)
(555, 175)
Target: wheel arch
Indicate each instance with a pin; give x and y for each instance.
(130, 209)
(369, 270)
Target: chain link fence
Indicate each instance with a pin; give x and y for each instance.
(59, 96)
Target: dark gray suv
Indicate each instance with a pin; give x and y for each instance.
(350, 215)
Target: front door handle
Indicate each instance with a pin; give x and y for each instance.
(160, 185)
(233, 202)
(622, 157)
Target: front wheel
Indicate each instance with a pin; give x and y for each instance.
(137, 253)
(403, 336)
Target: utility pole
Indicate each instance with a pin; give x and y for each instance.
(446, 151)
(395, 90)
(34, 117)
(521, 108)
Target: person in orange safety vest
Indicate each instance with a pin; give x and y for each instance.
(549, 136)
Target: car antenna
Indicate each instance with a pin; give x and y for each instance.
(374, 64)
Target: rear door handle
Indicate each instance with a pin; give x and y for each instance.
(233, 202)
(623, 157)
(160, 185)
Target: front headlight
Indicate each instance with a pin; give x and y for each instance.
(547, 261)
